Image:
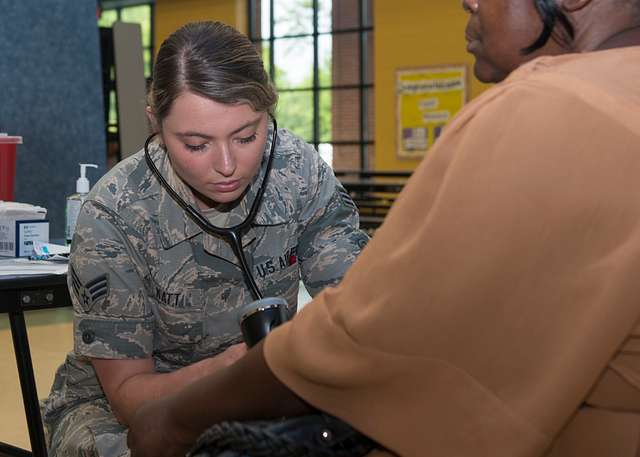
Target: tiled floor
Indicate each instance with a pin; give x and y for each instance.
(50, 338)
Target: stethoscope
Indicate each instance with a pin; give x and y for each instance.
(233, 235)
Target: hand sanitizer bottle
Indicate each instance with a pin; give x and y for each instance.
(74, 201)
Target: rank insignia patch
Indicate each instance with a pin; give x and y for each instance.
(90, 292)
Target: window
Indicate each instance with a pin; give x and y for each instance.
(136, 13)
(132, 11)
(319, 55)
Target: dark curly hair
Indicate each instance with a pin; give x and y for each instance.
(551, 15)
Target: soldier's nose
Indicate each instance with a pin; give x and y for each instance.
(226, 164)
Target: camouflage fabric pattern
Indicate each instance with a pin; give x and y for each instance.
(90, 429)
(145, 280)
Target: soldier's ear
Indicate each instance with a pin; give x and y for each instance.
(153, 121)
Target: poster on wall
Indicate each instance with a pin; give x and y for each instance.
(427, 98)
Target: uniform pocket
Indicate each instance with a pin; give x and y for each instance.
(180, 316)
(109, 437)
(90, 429)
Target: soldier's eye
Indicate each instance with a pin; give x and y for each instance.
(195, 147)
(248, 139)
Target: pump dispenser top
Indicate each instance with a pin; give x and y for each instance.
(74, 201)
(82, 183)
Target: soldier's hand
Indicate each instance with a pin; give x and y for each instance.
(153, 433)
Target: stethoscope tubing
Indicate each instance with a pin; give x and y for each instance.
(233, 235)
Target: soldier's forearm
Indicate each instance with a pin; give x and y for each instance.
(137, 389)
(246, 390)
(142, 388)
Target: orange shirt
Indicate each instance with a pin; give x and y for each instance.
(494, 312)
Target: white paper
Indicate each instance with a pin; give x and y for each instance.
(21, 267)
(41, 248)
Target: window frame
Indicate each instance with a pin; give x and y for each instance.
(365, 137)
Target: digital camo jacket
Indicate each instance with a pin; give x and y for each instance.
(145, 281)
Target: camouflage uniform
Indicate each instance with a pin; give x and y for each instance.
(147, 282)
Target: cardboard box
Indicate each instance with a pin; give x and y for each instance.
(20, 226)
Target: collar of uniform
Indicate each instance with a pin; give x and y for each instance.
(175, 225)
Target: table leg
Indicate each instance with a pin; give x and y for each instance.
(27, 383)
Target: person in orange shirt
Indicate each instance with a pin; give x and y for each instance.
(496, 311)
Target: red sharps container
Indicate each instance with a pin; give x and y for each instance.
(8, 165)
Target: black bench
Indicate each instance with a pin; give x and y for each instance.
(373, 192)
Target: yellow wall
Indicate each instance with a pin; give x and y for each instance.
(171, 14)
(412, 33)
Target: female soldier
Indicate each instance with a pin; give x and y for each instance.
(155, 289)
(507, 324)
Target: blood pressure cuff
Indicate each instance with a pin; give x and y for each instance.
(317, 435)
